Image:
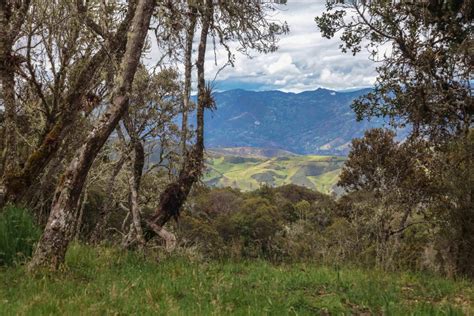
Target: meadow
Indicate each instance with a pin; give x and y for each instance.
(249, 172)
(106, 280)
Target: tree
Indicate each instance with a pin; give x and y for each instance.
(452, 174)
(393, 175)
(424, 82)
(53, 244)
(12, 16)
(58, 78)
(425, 54)
(175, 193)
(242, 21)
(149, 125)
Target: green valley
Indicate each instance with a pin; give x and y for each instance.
(248, 168)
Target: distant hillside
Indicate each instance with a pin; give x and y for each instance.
(250, 152)
(311, 122)
(226, 167)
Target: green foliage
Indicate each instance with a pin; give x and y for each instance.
(425, 80)
(420, 190)
(254, 227)
(294, 224)
(453, 180)
(279, 224)
(107, 281)
(18, 233)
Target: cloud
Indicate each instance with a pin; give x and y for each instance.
(304, 61)
(284, 64)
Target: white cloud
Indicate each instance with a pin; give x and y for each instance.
(304, 61)
(284, 64)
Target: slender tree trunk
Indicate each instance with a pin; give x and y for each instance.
(188, 67)
(80, 214)
(137, 163)
(53, 244)
(176, 193)
(7, 80)
(105, 212)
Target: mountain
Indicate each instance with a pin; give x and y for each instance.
(247, 169)
(311, 122)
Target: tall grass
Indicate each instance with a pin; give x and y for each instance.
(18, 233)
(108, 281)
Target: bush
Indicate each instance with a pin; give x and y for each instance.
(198, 233)
(18, 234)
(252, 228)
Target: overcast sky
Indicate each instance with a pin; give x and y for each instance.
(305, 60)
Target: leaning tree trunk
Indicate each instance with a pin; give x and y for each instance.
(176, 193)
(10, 23)
(17, 184)
(53, 244)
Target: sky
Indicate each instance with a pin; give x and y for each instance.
(304, 61)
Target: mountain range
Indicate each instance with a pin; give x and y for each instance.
(311, 122)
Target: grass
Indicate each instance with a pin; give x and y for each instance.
(107, 281)
(315, 172)
(18, 233)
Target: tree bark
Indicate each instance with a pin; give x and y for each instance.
(10, 23)
(17, 183)
(53, 244)
(188, 67)
(80, 213)
(137, 163)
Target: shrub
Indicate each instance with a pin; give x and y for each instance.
(18, 234)
(253, 227)
(198, 233)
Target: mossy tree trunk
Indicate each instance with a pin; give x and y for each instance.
(54, 242)
(75, 99)
(11, 20)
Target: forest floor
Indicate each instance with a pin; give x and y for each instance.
(106, 281)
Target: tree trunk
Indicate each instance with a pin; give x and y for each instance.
(80, 214)
(188, 67)
(137, 163)
(53, 244)
(17, 184)
(105, 212)
(175, 193)
(7, 80)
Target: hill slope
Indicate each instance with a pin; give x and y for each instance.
(311, 122)
(225, 167)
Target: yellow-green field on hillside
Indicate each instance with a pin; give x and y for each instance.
(226, 168)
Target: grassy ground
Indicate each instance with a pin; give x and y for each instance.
(106, 281)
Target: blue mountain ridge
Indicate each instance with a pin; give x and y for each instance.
(310, 122)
